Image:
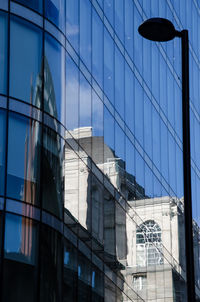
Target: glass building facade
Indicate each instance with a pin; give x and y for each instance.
(91, 173)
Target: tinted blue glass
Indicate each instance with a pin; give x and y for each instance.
(138, 40)
(119, 19)
(130, 157)
(139, 112)
(72, 94)
(85, 32)
(97, 48)
(25, 61)
(72, 22)
(109, 10)
(54, 81)
(172, 162)
(156, 137)
(85, 102)
(164, 151)
(34, 4)
(148, 126)
(2, 150)
(119, 82)
(108, 129)
(148, 182)
(52, 168)
(139, 165)
(97, 115)
(23, 171)
(20, 239)
(129, 27)
(170, 97)
(129, 97)
(155, 72)
(109, 66)
(3, 52)
(119, 145)
(163, 85)
(55, 12)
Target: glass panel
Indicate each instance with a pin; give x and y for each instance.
(97, 48)
(23, 172)
(25, 61)
(97, 129)
(109, 10)
(72, 22)
(109, 228)
(97, 209)
(20, 252)
(34, 4)
(119, 82)
(52, 169)
(72, 94)
(85, 32)
(109, 66)
(70, 272)
(97, 285)
(20, 239)
(3, 53)
(51, 260)
(129, 26)
(55, 12)
(54, 80)
(2, 150)
(84, 279)
(119, 19)
(110, 290)
(129, 97)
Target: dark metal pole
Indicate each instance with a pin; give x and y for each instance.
(187, 169)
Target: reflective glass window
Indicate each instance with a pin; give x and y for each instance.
(20, 239)
(119, 145)
(55, 12)
(130, 165)
(34, 4)
(24, 147)
(97, 209)
(54, 78)
(25, 61)
(20, 259)
(72, 22)
(3, 52)
(85, 103)
(85, 32)
(129, 26)
(119, 19)
(156, 137)
(129, 97)
(137, 40)
(109, 10)
(84, 279)
(148, 126)
(108, 134)
(119, 82)
(2, 150)
(52, 169)
(109, 66)
(70, 272)
(139, 112)
(97, 285)
(109, 227)
(97, 48)
(110, 290)
(51, 260)
(72, 94)
(97, 129)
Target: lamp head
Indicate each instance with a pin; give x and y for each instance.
(157, 29)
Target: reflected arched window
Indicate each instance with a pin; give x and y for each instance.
(149, 244)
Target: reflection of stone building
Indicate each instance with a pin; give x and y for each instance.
(145, 242)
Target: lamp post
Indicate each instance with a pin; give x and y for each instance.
(162, 30)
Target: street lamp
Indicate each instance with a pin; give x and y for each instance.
(162, 30)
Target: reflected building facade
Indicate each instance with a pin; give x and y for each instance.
(91, 176)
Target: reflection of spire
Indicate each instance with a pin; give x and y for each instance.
(49, 92)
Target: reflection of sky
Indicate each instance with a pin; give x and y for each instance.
(13, 233)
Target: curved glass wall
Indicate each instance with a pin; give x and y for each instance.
(91, 173)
